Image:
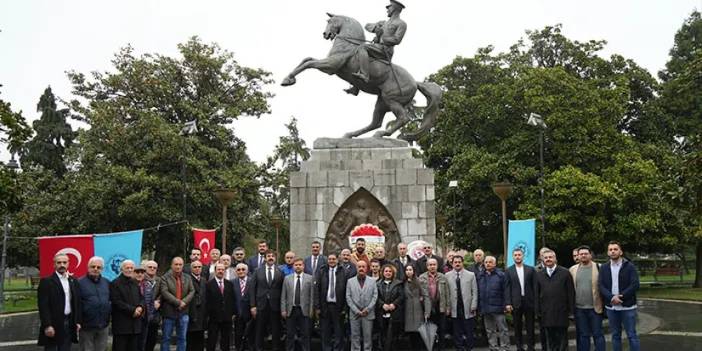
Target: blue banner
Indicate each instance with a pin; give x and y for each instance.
(114, 248)
(522, 234)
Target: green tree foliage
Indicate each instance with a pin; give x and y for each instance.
(52, 136)
(125, 170)
(601, 182)
(14, 130)
(681, 102)
(287, 157)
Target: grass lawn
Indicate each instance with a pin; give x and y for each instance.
(673, 293)
(20, 302)
(16, 284)
(669, 278)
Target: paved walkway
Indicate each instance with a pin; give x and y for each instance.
(662, 324)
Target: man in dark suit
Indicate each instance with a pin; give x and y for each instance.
(197, 313)
(220, 309)
(316, 260)
(346, 263)
(58, 299)
(554, 293)
(243, 327)
(402, 261)
(266, 288)
(520, 299)
(330, 303)
(428, 253)
(258, 259)
(196, 255)
(128, 309)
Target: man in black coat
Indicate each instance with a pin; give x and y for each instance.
(422, 262)
(402, 261)
(266, 288)
(330, 303)
(520, 299)
(196, 255)
(259, 259)
(58, 299)
(197, 312)
(555, 297)
(127, 309)
(220, 309)
(243, 326)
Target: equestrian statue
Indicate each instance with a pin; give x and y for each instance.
(368, 67)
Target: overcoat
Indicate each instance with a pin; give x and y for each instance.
(555, 297)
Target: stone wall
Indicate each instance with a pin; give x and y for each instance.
(335, 171)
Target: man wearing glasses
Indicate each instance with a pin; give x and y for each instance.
(428, 253)
(243, 327)
(96, 307)
(152, 304)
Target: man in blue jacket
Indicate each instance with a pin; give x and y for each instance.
(96, 307)
(618, 283)
(493, 288)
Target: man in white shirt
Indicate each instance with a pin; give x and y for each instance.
(296, 306)
(520, 299)
(330, 302)
(59, 308)
(618, 283)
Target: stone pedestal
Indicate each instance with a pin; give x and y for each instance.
(340, 168)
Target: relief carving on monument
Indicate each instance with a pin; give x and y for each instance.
(361, 208)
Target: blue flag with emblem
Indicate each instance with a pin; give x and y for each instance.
(522, 234)
(114, 248)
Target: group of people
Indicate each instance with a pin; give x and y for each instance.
(362, 302)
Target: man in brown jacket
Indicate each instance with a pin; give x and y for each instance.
(176, 291)
(435, 292)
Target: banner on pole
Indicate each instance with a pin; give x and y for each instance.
(205, 240)
(78, 248)
(522, 234)
(114, 248)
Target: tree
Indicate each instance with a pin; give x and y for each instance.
(14, 130)
(52, 136)
(287, 157)
(601, 181)
(680, 101)
(124, 171)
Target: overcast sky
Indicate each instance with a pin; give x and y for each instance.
(40, 40)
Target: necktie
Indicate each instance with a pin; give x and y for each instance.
(314, 263)
(459, 292)
(297, 291)
(550, 271)
(221, 287)
(270, 275)
(332, 284)
(242, 286)
(404, 261)
(260, 260)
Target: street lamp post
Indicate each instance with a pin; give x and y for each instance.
(276, 223)
(225, 197)
(538, 121)
(188, 129)
(12, 165)
(503, 190)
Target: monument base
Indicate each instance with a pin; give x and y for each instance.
(349, 182)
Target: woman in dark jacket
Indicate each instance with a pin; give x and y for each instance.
(414, 309)
(388, 311)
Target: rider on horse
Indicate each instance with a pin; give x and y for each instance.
(387, 34)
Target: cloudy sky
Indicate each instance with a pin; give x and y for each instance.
(40, 40)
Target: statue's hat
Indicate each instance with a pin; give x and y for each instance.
(397, 3)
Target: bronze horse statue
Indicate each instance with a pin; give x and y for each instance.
(394, 86)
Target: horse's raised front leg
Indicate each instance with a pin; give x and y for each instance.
(378, 114)
(401, 119)
(327, 65)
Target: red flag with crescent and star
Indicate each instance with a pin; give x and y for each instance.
(78, 248)
(205, 240)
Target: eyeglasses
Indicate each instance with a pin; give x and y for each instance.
(96, 267)
(240, 269)
(151, 267)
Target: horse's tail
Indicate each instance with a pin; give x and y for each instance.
(432, 92)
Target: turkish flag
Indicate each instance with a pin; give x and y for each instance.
(78, 248)
(205, 240)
